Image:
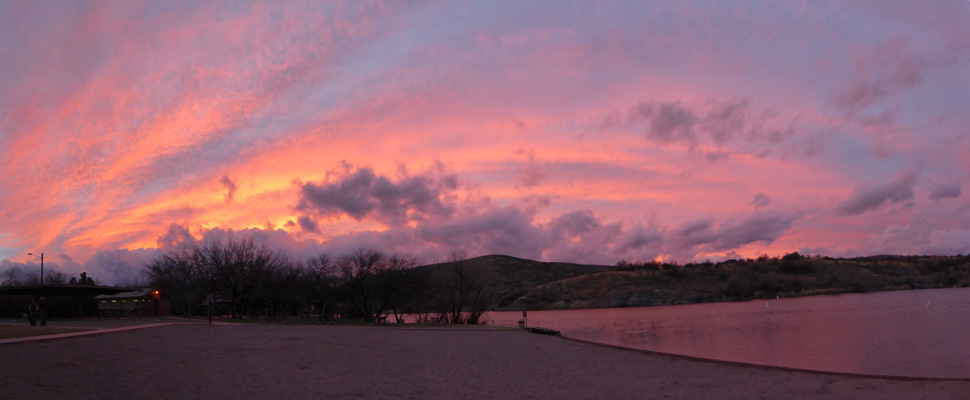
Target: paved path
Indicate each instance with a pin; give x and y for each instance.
(101, 326)
(233, 361)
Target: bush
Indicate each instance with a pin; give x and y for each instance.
(674, 272)
(739, 287)
(797, 266)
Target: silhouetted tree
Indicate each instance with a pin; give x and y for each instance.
(464, 294)
(84, 279)
(10, 277)
(373, 283)
(238, 267)
(282, 289)
(180, 273)
(54, 277)
(14, 277)
(320, 281)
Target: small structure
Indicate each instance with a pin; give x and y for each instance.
(65, 300)
(139, 303)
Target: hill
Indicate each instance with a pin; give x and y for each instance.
(515, 277)
(538, 285)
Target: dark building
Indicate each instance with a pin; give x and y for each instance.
(139, 303)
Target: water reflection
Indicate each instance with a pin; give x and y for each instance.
(923, 333)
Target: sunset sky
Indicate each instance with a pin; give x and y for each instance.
(560, 131)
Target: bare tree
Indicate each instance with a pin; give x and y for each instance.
(18, 277)
(465, 294)
(374, 283)
(282, 286)
(320, 278)
(238, 267)
(13, 277)
(180, 273)
(55, 277)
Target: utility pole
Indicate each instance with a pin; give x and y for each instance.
(41, 266)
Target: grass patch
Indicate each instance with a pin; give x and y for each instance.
(17, 331)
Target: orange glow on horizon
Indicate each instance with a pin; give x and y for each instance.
(319, 128)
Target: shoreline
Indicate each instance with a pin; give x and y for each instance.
(90, 329)
(835, 292)
(765, 366)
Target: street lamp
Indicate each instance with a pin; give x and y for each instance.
(41, 266)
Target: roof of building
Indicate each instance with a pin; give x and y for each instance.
(126, 295)
(61, 290)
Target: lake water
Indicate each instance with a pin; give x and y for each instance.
(916, 333)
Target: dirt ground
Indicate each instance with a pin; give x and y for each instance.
(340, 362)
(18, 331)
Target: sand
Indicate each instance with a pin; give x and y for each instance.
(339, 362)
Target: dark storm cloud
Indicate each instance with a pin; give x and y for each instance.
(639, 238)
(496, 230)
(363, 193)
(725, 121)
(946, 191)
(715, 156)
(718, 124)
(576, 236)
(669, 122)
(695, 233)
(176, 236)
(308, 224)
(351, 195)
(672, 123)
(866, 198)
(760, 200)
(573, 224)
(736, 231)
(230, 187)
(764, 227)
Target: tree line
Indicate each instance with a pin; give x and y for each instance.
(16, 276)
(245, 278)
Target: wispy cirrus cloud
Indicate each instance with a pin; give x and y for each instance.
(573, 133)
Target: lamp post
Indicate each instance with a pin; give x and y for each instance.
(41, 266)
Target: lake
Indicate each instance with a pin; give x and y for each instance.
(913, 333)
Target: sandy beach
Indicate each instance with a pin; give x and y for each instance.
(339, 362)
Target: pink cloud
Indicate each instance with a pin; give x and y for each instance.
(870, 197)
(546, 130)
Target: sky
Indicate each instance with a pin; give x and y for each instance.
(587, 132)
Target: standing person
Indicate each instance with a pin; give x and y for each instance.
(42, 308)
(32, 312)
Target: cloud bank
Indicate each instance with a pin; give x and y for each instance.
(545, 129)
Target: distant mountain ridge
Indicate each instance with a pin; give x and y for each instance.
(535, 285)
(514, 277)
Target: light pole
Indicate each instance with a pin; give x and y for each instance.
(41, 266)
